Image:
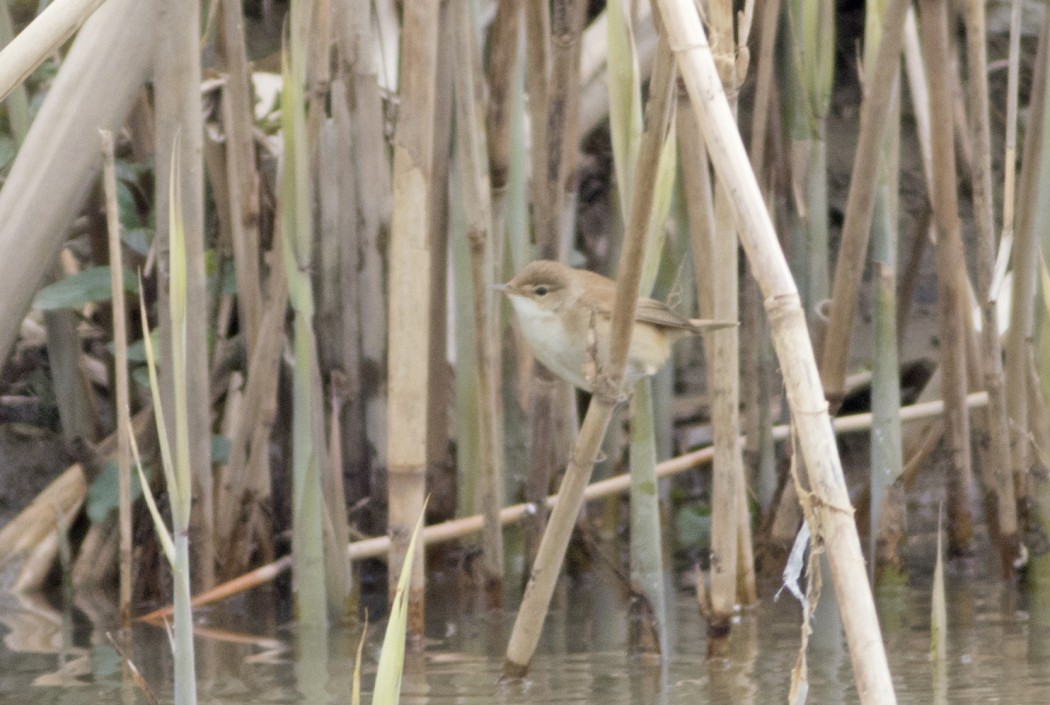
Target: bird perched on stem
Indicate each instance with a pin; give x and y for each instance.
(565, 315)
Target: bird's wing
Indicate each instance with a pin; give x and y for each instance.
(660, 314)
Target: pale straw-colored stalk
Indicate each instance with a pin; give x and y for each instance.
(42, 37)
(120, 367)
(724, 367)
(177, 75)
(830, 509)
(409, 295)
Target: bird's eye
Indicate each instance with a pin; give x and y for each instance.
(541, 291)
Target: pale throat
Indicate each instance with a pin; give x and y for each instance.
(550, 342)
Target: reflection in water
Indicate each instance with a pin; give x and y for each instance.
(995, 653)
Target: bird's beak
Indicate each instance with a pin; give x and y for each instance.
(500, 287)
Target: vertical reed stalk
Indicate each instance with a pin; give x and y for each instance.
(409, 295)
(724, 370)
(647, 570)
(544, 410)
(860, 203)
(834, 519)
(759, 452)
(120, 367)
(1003, 505)
(371, 174)
(538, 85)
(439, 374)
(886, 449)
(811, 73)
(175, 458)
(952, 300)
(178, 112)
(503, 123)
(1009, 188)
(1009, 144)
(297, 234)
(648, 622)
(1024, 262)
(242, 178)
(473, 162)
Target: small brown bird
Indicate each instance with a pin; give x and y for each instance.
(565, 315)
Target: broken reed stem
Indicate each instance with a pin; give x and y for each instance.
(794, 349)
(997, 470)
(860, 203)
(120, 366)
(951, 297)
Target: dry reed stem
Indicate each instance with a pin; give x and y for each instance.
(473, 165)
(563, 122)
(177, 77)
(372, 190)
(120, 368)
(58, 162)
(770, 22)
(544, 411)
(794, 350)
(860, 202)
(1025, 259)
(247, 475)
(724, 368)
(1010, 147)
(42, 37)
(242, 178)
(409, 296)
(440, 373)
(951, 297)
(997, 469)
(504, 40)
(920, 94)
